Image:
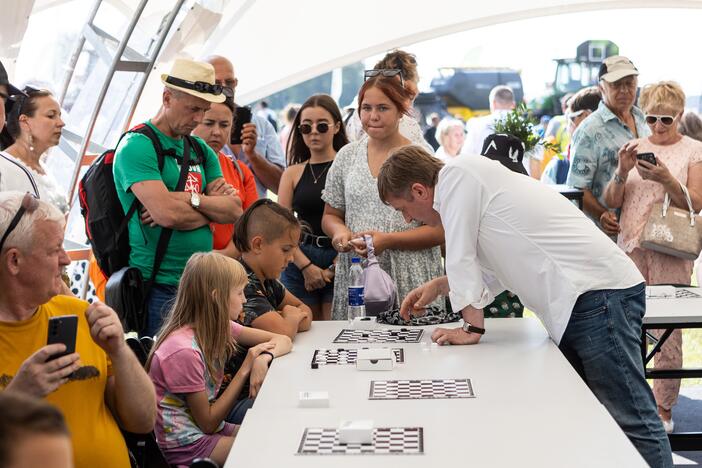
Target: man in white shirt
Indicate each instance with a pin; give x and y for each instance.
(586, 291)
(478, 128)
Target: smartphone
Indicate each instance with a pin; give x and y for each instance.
(648, 157)
(242, 116)
(62, 329)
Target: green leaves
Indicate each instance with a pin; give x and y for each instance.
(520, 123)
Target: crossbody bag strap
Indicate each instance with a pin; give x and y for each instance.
(165, 236)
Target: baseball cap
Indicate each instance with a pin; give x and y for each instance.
(506, 149)
(615, 68)
(4, 80)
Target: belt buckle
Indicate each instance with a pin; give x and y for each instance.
(317, 242)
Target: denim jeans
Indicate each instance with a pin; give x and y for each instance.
(161, 298)
(237, 413)
(603, 343)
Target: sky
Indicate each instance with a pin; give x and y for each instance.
(662, 43)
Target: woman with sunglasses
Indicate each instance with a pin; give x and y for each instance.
(408, 251)
(317, 133)
(677, 161)
(401, 66)
(34, 125)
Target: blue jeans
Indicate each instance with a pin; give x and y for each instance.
(294, 281)
(236, 415)
(603, 343)
(160, 299)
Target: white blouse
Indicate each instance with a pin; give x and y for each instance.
(15, 175)
(507, 231)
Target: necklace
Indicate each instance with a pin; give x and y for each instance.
(316, 178)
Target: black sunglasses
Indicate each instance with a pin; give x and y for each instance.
(666, 120)
(29, 204)
(306, 129)
(199, 86)
(387, 73)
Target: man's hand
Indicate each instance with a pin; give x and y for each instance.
(146, 218)
(609, 223)
(249, 137)
(38, 377)
(454, 336)
(416, 301)
(314, 278)
(105, 328)
(292, 311)
(220, 187)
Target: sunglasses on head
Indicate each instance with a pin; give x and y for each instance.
(387, 73)
(306, 129)
(666, 120)
(29, 204)
(573, 115)
(199, 86)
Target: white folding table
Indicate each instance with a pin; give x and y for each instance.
(531, 408)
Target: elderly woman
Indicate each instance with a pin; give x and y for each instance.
(636, 191)
(451, 134)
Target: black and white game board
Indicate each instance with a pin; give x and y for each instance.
(681, 293)
(386, 441)
(396, 335)
(341, 356)
(420, 389)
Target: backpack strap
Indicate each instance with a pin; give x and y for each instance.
(238, 169)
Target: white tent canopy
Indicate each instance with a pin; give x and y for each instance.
(275, 44)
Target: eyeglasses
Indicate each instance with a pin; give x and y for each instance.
(666, 120)
(387, 73)
(199, 86)
(306, 129)
(573, 115)
(28, 205)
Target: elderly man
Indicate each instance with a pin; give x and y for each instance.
(206, 197)
(595, 302)
(260, 148)
(595, 144)
(478, 128)
(101, 382)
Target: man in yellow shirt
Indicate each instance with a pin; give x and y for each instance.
(98, 385)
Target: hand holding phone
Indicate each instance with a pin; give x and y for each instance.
(63, 329)
(648, 157)
(242, 115)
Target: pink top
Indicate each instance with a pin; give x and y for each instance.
(178, 368)
(640, 195)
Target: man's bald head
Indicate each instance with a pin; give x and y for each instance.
(224, 70)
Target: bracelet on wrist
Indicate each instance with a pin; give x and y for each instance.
(269, 354)
(302, 269)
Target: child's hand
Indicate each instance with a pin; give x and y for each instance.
(292, 311)
(258, 374)
(254, 353)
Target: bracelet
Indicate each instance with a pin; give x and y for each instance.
(268, 353)
(302, 269)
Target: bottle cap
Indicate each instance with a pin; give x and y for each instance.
(355, 260)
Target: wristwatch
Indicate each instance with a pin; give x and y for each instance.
(618, 179)
(468, 328)
(195, 200)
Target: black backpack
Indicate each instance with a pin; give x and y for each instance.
(105, 220)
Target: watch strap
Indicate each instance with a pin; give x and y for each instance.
(467, 327)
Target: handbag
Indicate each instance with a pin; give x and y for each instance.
(125, 291)
(673, 231)
(380, 290)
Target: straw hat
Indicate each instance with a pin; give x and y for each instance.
(194, 78)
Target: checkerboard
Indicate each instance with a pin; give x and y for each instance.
(386, 441)
(681, 293)
(420, 389)
(396, 335)
(341, 356)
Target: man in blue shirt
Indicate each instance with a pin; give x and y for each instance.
(266, 158)
(596, 142)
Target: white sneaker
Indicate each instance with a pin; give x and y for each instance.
(669, 426)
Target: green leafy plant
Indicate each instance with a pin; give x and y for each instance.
(520, 123)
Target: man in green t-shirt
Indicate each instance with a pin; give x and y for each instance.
(189, 90)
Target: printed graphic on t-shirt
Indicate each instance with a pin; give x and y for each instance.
(83, 373)
(193, 183)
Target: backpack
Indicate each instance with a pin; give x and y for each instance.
(105, 220)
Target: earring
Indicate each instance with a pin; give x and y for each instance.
(31, 142)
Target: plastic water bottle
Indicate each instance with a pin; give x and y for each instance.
(357, 307)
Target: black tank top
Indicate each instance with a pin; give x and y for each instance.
(307, 197)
